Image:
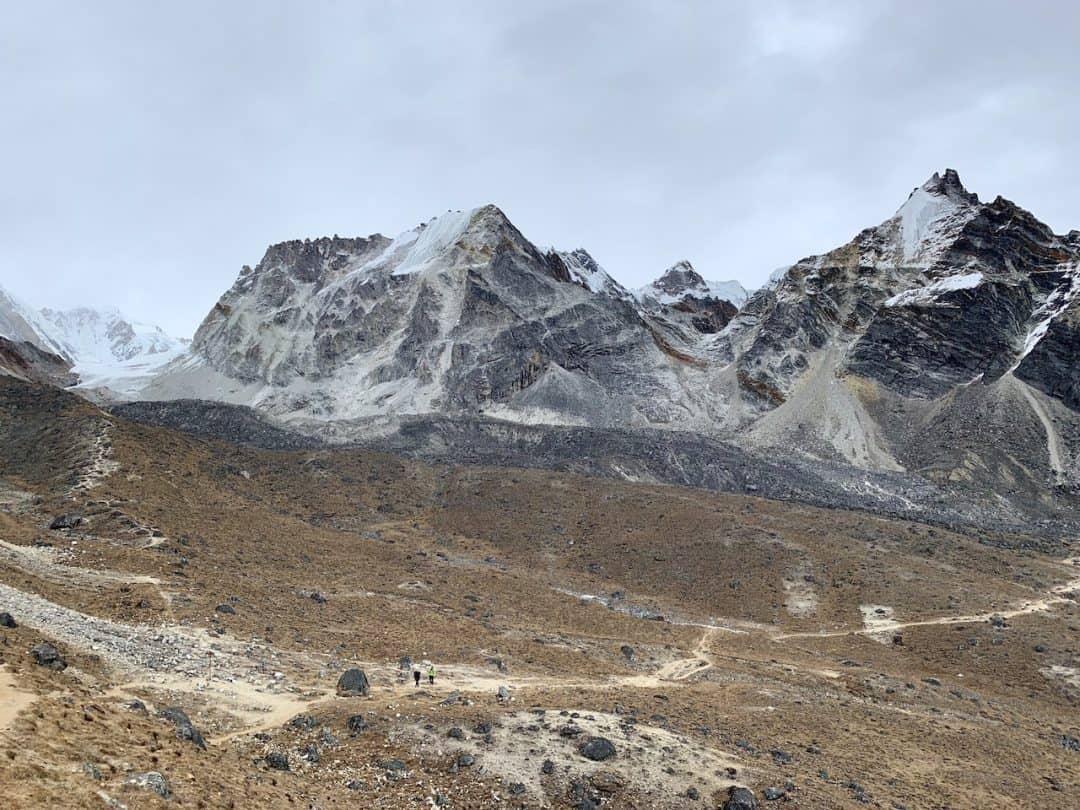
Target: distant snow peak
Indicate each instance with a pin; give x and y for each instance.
(103, 348)
(682, 281)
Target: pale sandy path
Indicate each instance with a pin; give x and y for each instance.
(12, 699)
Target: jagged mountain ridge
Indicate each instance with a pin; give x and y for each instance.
(941, 343)
(462, 314)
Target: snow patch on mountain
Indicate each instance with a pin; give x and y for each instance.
(587, 272)
(927, 296)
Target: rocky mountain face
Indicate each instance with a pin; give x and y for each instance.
(939, 345)
(92, 348)
(460, 315)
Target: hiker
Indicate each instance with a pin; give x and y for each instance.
(431, 674)
(416, 676)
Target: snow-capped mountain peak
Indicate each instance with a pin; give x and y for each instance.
(931, 215)
(103, 348)
(682, 281)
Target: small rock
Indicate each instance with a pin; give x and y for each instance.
(393, 765)
(353, 682)
(7, 620)
(136, 706)
(465, 760)
(356, 724)
(92, 770)
(771, 794)
(225, 607)
(151, 780)
(780, 757)
(516, 789)
(547, 768)
(277, 760)
(503, 694)
(310, 753)
(740, 798)
(627, 652)
(185, 729)
(606, 782)
(482, 727)
(997, 620)
(46, 655)
(354, 784)
(932, 681)
(598, 749)
(303, 722)
(692, 794)
(69, 521)
(456, 733)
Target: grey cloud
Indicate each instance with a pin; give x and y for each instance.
(152, 151)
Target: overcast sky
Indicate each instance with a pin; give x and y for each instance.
(148, 153)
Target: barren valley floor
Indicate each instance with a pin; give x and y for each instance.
(822, 658)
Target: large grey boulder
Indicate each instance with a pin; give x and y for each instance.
(353, 682)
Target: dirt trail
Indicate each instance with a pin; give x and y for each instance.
(12, 699)
(163, 657)
(101, 464)
(42, 563)
(1055, 596)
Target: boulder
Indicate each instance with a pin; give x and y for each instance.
(607, 782)
(46, 655)
(303, 722)
(185, 729)
(740, 798)
(152, 781)
(69, 521)
(353, 682)
(598, 749)
(277, 760)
